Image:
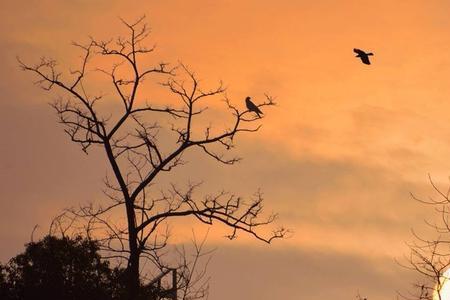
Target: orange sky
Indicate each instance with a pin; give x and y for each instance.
(337, 157)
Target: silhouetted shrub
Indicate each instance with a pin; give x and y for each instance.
(60, 268)
(65, 268)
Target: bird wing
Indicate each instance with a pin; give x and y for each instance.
(258, 110)
(252, 106)
(359, 51)
(365, 59)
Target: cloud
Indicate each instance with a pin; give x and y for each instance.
(290, 273)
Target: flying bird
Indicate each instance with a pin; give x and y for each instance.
(252, 107)
(363, 55)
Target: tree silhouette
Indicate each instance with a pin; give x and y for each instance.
(430, 257)
(60, 268)
(4, 285)
(139, 148)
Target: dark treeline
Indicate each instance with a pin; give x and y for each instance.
(63, 268)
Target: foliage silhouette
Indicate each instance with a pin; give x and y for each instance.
(60, 268)
(66, 268)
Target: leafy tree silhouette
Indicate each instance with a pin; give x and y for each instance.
(60, 268)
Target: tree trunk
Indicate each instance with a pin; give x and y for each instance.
(133, 282)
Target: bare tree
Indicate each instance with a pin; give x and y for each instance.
(426, 259)
(137, 149)
(181, 275)
(430, 257)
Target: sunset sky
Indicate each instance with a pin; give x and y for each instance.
(337, 157)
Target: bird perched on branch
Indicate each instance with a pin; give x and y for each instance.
(252, 107)
(363, 55)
